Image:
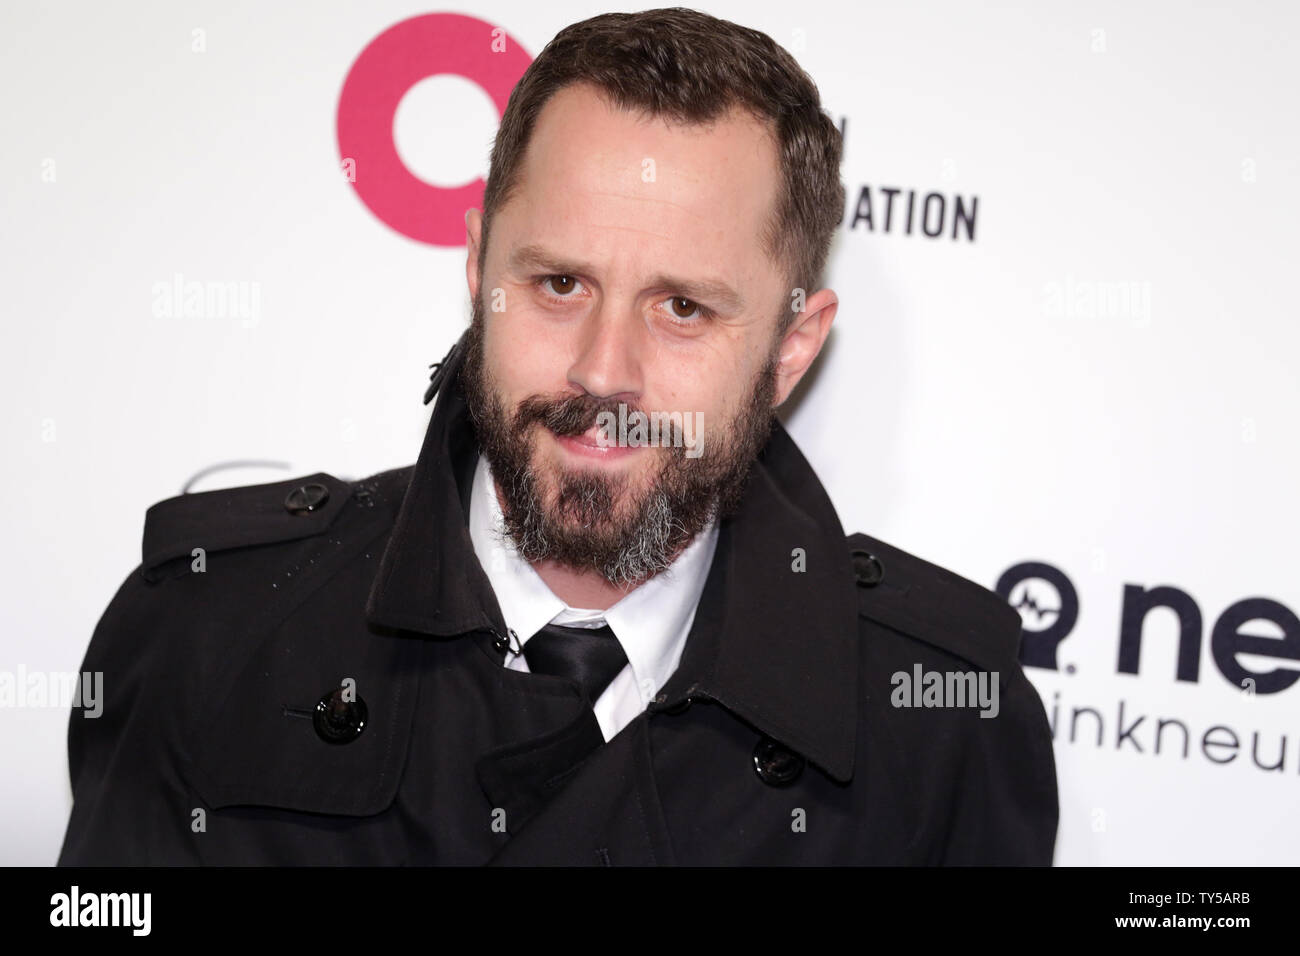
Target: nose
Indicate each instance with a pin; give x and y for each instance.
(608, 363)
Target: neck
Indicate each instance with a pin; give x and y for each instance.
(585, 589)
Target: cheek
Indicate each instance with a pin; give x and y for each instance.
(711, 387)
(515, 368)
(530, 346)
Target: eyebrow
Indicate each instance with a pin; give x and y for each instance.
(711, 291)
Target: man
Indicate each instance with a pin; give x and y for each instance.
(546, 643)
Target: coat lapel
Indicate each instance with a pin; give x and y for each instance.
(521, 777)
(606, 814)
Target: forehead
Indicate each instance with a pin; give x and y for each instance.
(646, 190)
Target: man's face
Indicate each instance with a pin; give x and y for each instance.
(626, 268)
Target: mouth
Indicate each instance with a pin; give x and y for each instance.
(587, 446)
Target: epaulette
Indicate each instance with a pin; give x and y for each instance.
(935, 605)
(239, 517)
(440, 370)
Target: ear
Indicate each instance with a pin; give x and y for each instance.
(804, 341)
(473, 233)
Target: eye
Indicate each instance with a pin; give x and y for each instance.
(562, 287)
(686, 311)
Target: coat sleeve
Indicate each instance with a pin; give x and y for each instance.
(1006, 809)
(129, 803)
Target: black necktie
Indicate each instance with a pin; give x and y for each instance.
(592, 656)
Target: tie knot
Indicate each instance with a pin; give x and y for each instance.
(591, 656)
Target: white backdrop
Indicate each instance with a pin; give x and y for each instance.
(1099, 377)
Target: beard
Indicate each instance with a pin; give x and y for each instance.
(624, 527)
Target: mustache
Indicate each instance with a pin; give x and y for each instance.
(572, 415)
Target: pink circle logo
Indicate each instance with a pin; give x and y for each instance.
(391, 64)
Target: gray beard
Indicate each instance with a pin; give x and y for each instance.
(649, 547)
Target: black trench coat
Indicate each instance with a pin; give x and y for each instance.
(329, 689)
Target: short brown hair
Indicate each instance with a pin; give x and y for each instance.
(691, 67)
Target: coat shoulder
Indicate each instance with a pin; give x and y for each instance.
(911, 612)
(933, 605)
(178, 529)
(173, 645)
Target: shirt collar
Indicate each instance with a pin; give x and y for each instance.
(526, 602)
(651, 622)
(775, 645)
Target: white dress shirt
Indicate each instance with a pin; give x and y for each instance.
(650, 622)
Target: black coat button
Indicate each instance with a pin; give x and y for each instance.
(776, 765)
(306, 498)
(867, 568)
(338, 720)
(504, 642)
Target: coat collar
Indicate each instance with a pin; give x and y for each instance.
(775, 645)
